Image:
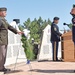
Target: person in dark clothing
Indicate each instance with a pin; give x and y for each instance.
(73, 30)
(55, 38)
(73, 22)
(73, 26)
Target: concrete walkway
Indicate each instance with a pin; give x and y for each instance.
(43, 68)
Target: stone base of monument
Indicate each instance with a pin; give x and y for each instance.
(14, 48)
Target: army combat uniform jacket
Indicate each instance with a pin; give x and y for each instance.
(4, 26)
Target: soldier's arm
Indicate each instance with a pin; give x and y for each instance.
(55, 31)
(12, 29)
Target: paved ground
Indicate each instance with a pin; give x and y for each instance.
(43, 68)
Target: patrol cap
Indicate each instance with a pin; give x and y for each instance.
(16, 20)
(56, 18)
(3, 9)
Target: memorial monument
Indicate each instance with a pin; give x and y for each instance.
(14, 45)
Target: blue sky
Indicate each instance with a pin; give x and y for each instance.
(24, 9)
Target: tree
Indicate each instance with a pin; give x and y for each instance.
(21, 27)
(27, 23)
(70, 25)
(36, 28)
(49, 22)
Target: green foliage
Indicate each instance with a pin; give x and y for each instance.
(36, 27)
(70, 25)
(21, 27)
(28, 48)
(27, 23)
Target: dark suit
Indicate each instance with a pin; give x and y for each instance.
(55, 38)
(4, 26)
(73, 29)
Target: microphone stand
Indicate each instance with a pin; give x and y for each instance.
(67, 25)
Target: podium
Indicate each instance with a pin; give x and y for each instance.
(67, 47)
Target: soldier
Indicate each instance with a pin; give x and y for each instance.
(4, 26)
(73, 26)
(73, 22)
(73, 29)
(55, 38)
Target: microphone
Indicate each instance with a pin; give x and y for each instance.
(65, 24)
